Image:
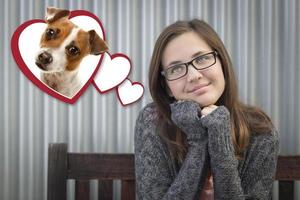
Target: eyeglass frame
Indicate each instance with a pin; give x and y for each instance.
(215, 54)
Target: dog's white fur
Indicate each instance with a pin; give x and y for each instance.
(66, 82)
(58, 54)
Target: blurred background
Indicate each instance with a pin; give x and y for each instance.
(262, 37)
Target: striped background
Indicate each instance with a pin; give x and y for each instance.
(262, 37)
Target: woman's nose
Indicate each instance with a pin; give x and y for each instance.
(193, 74)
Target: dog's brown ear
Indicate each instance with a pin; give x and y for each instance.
(53, 14)
(98, 45)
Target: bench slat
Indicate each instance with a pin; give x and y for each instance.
(82, 189)
(286, 190)
(127, 190)
(101, 166)
(288, 168)
(105, 190)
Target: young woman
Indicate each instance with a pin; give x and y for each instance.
(197, 140)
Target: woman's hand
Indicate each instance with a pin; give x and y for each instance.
(206, 110)
(185, 114)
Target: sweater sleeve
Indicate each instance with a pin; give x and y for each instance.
(257, 178)
(154, 177)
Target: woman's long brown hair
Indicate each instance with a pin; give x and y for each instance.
(244, 119)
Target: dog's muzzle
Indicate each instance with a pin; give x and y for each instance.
(43, 60)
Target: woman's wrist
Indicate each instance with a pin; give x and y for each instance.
(218, 117)
(218, 128)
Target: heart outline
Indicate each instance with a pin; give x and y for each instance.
(27, 72)
(132, 83)
(111, 58)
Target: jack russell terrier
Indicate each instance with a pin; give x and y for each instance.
(63, 46)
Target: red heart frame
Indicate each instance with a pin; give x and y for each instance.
(23, 67)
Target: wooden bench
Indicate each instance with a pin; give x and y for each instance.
(288, 171)
(82, 167)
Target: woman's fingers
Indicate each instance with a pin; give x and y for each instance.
(206, 110)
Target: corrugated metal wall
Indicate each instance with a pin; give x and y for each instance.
(262, 37)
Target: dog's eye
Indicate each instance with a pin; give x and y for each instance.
(50, 33)
(73, 50)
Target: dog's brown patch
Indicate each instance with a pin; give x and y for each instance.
(98, 45)
(82, 42)
(57, 14)
(64, 26)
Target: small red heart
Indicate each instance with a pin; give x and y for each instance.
(129, 92)
(31, 73)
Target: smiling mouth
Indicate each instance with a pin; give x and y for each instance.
(199, 88)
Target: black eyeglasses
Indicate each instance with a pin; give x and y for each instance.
(201, 62)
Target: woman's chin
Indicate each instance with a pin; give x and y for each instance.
(204, 103)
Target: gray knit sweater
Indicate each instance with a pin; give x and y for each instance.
(209, 145)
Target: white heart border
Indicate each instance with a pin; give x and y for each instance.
(132, 84)
(112, 57)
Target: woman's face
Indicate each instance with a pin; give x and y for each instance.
(202, 86)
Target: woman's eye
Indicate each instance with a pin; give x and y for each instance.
(177, 69)
(202, 59)
(73, 50)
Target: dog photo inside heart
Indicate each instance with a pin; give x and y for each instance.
(62, 54)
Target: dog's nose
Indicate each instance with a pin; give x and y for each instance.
(45, 58)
